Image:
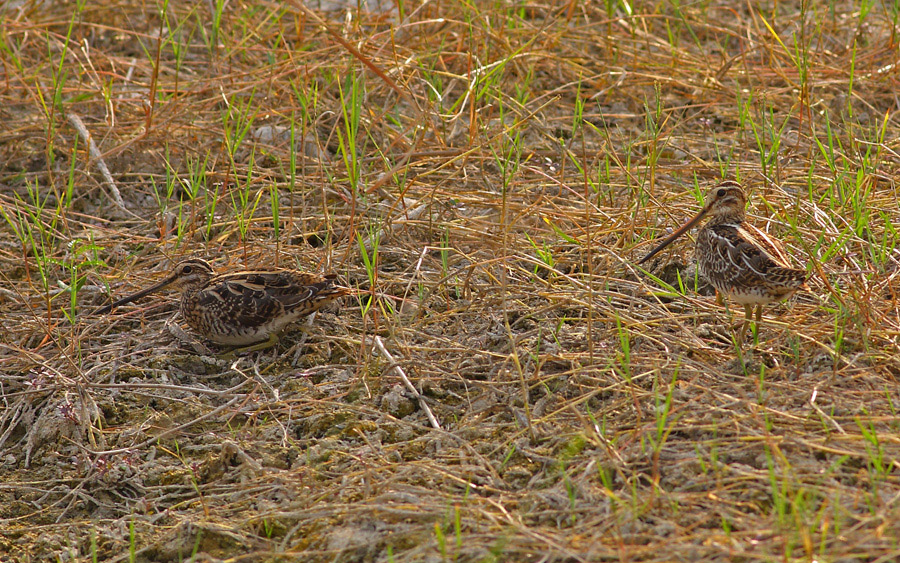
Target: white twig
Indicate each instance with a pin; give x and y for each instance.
(812, 403)
(78, 124)
(412, 389)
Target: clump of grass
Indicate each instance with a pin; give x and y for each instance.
(499, 167)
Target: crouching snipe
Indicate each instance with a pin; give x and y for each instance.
(738, 259)
(246, 309)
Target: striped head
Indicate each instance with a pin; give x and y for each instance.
(192, 272)
(725, 202)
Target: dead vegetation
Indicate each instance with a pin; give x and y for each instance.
(485, 175)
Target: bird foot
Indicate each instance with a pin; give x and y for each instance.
(744, 331)
(265, 344)
(184, 338)
(202, 350)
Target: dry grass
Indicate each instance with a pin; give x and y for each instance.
(485, 174)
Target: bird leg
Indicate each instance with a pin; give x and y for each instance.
(757, 323)
(180, 335)
(748, 317)
(267, 343)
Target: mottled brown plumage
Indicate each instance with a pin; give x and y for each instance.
(246, 307)
(738, 259)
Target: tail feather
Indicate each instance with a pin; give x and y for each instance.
(788, 278)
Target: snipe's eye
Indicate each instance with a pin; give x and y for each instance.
(721, 192)
(187, 270)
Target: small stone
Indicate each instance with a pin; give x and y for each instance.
(396, 403)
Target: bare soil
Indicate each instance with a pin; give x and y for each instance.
(484, 176)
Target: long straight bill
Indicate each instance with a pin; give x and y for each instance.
(134, 296)
(671, 238)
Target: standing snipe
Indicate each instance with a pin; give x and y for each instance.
(242, 308)
(738, 259)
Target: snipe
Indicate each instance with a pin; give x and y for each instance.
(246, 308)
(738, 259)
